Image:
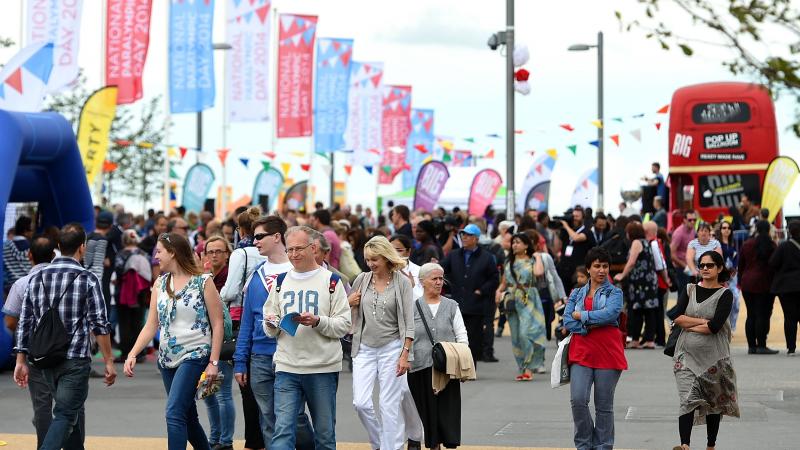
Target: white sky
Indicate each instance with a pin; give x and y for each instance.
(439, 48)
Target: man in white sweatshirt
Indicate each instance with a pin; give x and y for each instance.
(307, 365)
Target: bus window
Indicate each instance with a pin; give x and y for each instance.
(718, 191)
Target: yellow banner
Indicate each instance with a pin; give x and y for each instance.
(781, 174)
(93, 130)
(340, 192)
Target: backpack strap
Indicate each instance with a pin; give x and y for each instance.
(279, 281)
(332, 283)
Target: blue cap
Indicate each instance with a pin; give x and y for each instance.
(472, 229)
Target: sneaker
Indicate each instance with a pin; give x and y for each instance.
(540, 370)
(222, 447)
(489, 359)
(765, 351)
(751, 350)
(414, 445)
(790, 352)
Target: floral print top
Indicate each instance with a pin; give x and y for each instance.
(183, 319)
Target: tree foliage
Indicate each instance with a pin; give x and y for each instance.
(139, 172)
(749, 28)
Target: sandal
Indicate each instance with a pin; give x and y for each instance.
(527, 377)
(519, 377)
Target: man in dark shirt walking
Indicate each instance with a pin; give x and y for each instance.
(81, 309)
(473, 277)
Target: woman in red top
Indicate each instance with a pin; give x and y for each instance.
(596, 355)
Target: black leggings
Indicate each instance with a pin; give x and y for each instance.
(686, 421)
(650, 319)
(759, 312)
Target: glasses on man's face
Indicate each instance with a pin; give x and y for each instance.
(292, 250)
(691, 220)
(215, 252)
(706, 266)
(261, 236)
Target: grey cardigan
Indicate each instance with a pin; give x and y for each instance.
(405, 308)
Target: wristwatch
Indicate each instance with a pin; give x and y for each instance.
(214, 363)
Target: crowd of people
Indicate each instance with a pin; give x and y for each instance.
(409, 300)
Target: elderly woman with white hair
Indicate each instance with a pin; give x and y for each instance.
(440, 413)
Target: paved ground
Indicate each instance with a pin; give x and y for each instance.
(497, 412)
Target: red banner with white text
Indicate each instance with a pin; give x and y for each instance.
(295, 72)
(396, 125)
(127, 39)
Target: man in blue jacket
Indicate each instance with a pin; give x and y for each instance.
(473, 278)
(254, 350)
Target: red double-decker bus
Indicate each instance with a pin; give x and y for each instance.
(723, 136)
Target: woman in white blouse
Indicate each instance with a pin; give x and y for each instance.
(441, 413)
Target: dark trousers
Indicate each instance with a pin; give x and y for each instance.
(639, 317)
(68, 383)
(253, 438)
(549, 317)
(686, 421)
(661, 337)
(790, 303)
(488, 332)
(759, 312)
(474, 325)
(131, 321)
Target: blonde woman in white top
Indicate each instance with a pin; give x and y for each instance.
(383, 331)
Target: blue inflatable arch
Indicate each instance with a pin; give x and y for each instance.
(40, 162)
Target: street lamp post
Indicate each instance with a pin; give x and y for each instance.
(600, 143)
(217, 46)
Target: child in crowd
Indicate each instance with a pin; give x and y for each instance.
(580, 278)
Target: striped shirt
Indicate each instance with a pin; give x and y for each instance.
(15, 259)
(81, 308)
(699, 248)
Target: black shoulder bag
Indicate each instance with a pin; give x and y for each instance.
(437, 352)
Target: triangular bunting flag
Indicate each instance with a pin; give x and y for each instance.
(553, 153)
(617, 119)
(109, 166)
(348, 169)
(638, 116)
(567, 127)
(597, 123)
(245, 162)
(183, 151)
(368, 169)
(173, 175)
(637, 134)
(286, 167)
(305, 167)
(421, 148)
(664, 109)
(573, 149)
(489, 155)
(519, 131)
(15, 80)
(470, 140)
(223, 155)
(375, 151)
(658, 126)
(144, 144)
(387, 169)
(270, 155)
(298, 153)
(595, 143)
(262, 13)
(171, 153)
(615, 138)
(447, 158)
(123, 143)
(265, 165)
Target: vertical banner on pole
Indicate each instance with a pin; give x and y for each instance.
(191, 56)
(483, 191)
(541, 170)
(127, 39)
(585, 193)
(295, 70)
(196, 187)
(247, 71)
(395, 126)
(430, 184)
(59, 22)
(330, 99)
(420, 144)
(268, 184)
(97, 114)
(364, 114)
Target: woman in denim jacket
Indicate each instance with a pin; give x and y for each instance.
(596, 355)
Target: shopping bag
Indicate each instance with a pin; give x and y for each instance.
(559, 372)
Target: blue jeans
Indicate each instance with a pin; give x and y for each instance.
(221, 410)
(69, 385)
(262, 382)
(319, 390)
(181, 412)
(599, 434)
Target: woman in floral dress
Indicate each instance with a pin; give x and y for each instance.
(523, 305)
(642, 288)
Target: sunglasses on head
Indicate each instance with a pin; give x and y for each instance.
(164, 237)
(704, 266)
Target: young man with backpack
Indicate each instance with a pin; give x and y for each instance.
(53, 335)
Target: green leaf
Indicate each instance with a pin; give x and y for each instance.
(686, 49)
